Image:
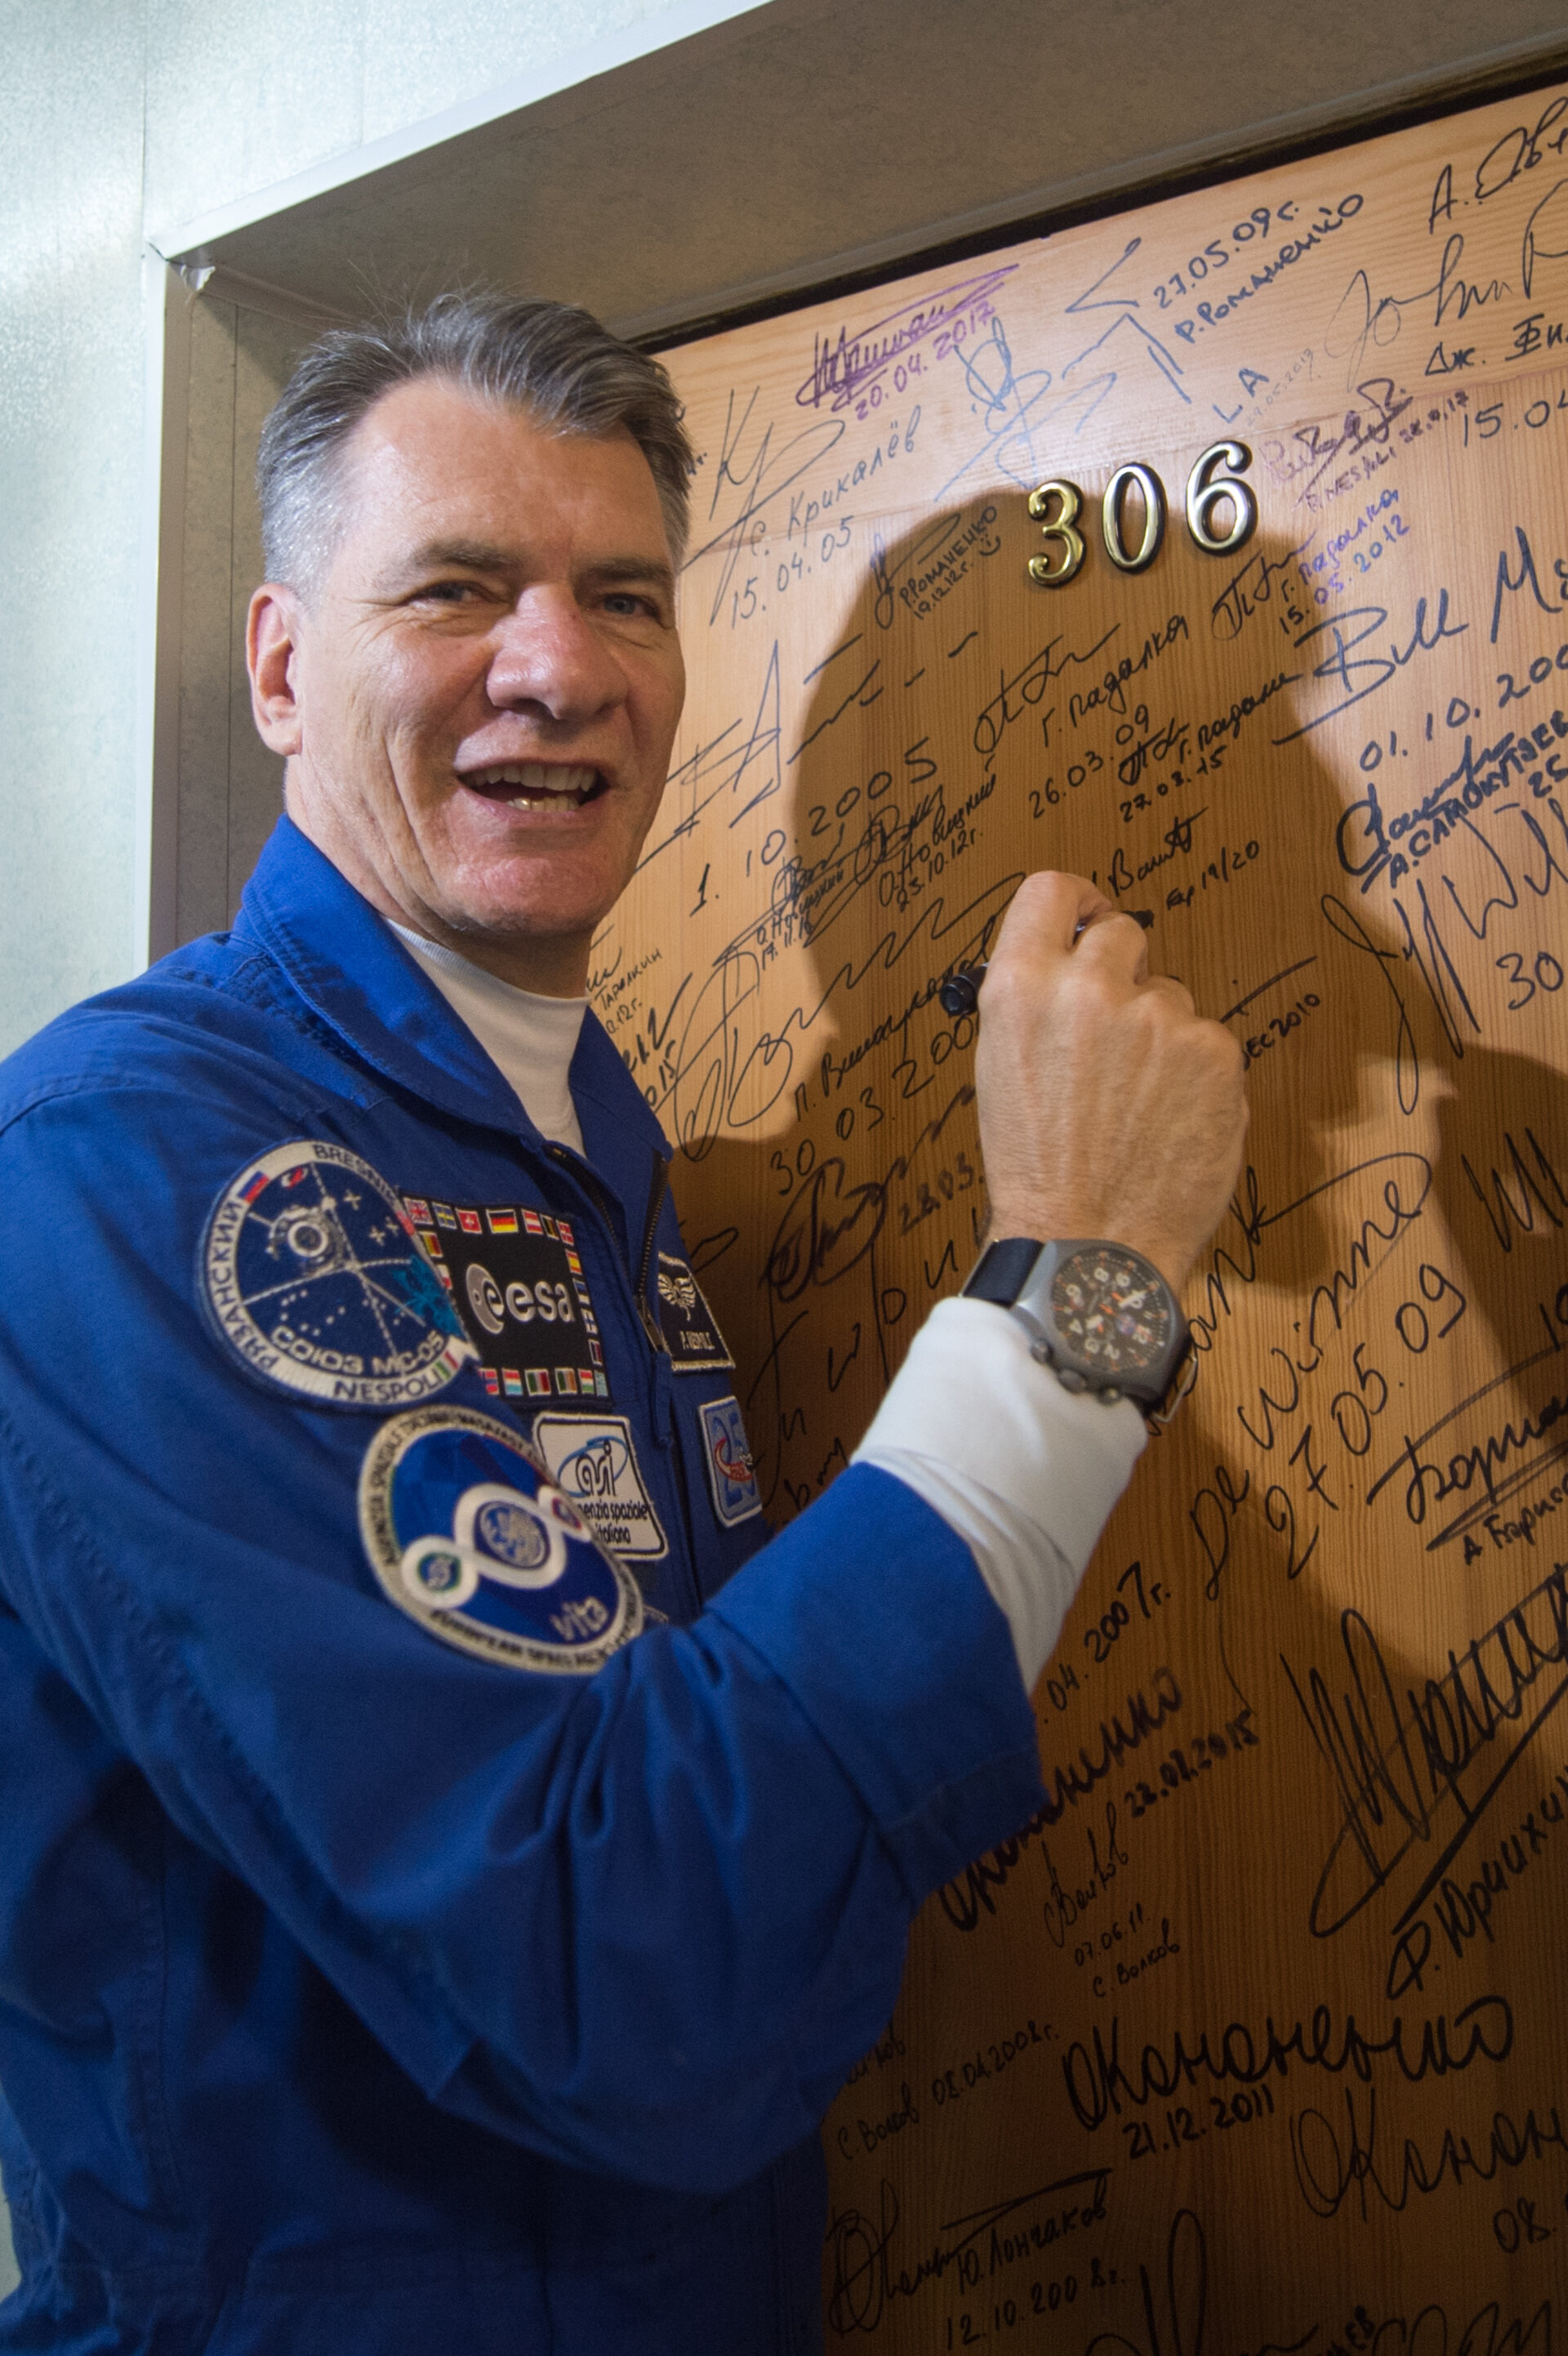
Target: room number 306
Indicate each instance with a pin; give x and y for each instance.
(1213, 486)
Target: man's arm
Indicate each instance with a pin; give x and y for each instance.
(1108, 1109)
(642, 1922)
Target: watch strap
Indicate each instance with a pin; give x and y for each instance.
(1002, 1270)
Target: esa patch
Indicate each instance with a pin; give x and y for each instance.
(312, 1276)
(690, 1328)
(736, 1496)
(468, 1535)
(592, 1458)
(514, 1277)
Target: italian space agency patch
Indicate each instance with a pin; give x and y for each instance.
(469, 1535)
(311, 1275)
(592, 1458)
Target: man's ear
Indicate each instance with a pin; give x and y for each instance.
(271, 643)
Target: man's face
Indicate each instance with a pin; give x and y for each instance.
(479, 699)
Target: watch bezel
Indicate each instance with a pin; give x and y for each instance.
(1000, 1276)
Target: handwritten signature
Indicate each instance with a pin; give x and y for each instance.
(1403, 1771)
(864, 2276)
(846, 364)
(1099, 2083)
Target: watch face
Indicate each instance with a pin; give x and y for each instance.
(1111, 1313)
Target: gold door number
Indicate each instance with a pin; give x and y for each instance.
(1056, 506)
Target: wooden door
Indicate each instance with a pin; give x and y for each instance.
(1254, 2038)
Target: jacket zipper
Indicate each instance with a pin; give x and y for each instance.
(589, 1181)
(656, 1194)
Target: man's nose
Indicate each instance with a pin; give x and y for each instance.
(549, 657)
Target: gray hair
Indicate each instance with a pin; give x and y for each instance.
(554, 360)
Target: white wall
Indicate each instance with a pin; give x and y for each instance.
(70, 462)
(239, 97)
(121, 118)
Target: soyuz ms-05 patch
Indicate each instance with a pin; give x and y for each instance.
(731, 1472)
(312, 1276)
(516, 1278)
(468, 1535)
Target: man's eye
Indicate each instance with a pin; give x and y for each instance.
(626, 604)
(447, 593)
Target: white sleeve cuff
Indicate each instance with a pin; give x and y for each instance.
(1024, 1471)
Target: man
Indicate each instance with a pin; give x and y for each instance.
(421, 1927)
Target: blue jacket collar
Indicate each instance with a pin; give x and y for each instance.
(354, 973)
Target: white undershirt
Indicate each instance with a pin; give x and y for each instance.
(530, 1039)
(1025, 1472)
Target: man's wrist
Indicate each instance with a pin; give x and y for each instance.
(972, 1397)
(1096, 1310)
(1046, 1225)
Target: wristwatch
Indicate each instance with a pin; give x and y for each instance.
(1099, 1315)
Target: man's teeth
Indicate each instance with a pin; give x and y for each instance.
(536, 782)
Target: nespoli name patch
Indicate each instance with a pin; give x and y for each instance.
(469, 1535)
(312, 1278)
(516, 1278)
(690, 1328)
(592, 1459)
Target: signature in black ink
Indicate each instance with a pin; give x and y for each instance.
(1426, 636)
(1506, 586)
(1176, 843)
(1111, 690)
(961, 1901)
(721, 767)
(1549, 214)
(718, 1073)
(1405, 1770)
(1250, 588)
(1359, 320)
(1516, 1209)
(1098, 2085)
(1483, 1461)
(1406, 1180)
(1371, 845)
(828, 1230)
(1407, 1059)
(1187, 2298)
(864, 2280)
(1027, 688)
(828, 1226)
(1327, 2172)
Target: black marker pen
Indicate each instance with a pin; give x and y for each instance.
(960, 993)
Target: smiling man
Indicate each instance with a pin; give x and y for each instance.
(451, 1857)
(478, 714)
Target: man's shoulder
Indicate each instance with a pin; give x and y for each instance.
(216, 1023)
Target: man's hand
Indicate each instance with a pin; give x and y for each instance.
(1108, 1108)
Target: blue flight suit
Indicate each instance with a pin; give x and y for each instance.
(383, 1968)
